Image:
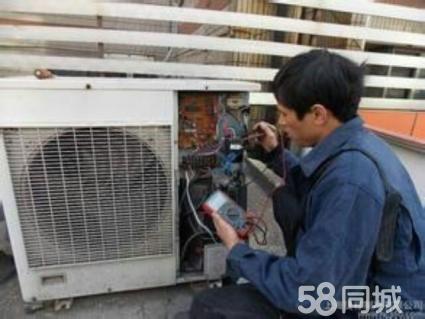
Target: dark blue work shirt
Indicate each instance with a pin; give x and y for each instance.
(341, 225)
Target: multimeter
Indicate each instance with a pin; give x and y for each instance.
(227, 208)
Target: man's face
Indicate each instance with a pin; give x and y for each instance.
(303, 132)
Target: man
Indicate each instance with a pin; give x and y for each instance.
(362, 223)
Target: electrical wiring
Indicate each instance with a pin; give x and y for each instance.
(188, 241)
(256, 225)
(210, 152)
(192, 207)
(186, 244)
(263, 242)
(232, 132)
(260, 217)
(187, 214)
(228, 162)
(226, 129)
(253, 223)
(190, 220)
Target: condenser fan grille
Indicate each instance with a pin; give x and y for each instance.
(92, 194)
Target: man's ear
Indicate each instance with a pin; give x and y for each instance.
(320, 114)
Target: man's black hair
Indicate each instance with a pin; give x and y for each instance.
(320, 77)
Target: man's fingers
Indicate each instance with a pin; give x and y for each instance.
(217, 219)
(265, 127)
(269, 139)
(250, 216)
(220, 223)
(269, 131)
(260, 126)
(214, 215)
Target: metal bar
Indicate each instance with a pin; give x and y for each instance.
(31, 62)
(152, 12)
(198, 42)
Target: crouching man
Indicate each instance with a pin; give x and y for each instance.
(358, 221)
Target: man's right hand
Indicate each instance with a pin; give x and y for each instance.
(269, 140)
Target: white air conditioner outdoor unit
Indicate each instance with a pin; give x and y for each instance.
(89, 181)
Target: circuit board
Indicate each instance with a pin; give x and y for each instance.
(200, 112)
(197, 119)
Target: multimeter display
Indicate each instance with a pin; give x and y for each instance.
(227, 208)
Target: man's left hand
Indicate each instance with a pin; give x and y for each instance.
(225, 231)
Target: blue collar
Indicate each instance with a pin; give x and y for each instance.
(331, 144)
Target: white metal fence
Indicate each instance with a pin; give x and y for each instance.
(14, 38)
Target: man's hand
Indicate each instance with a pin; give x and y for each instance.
(269, 141)
(225, 231)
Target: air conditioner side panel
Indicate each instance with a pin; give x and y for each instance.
(11, 215)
